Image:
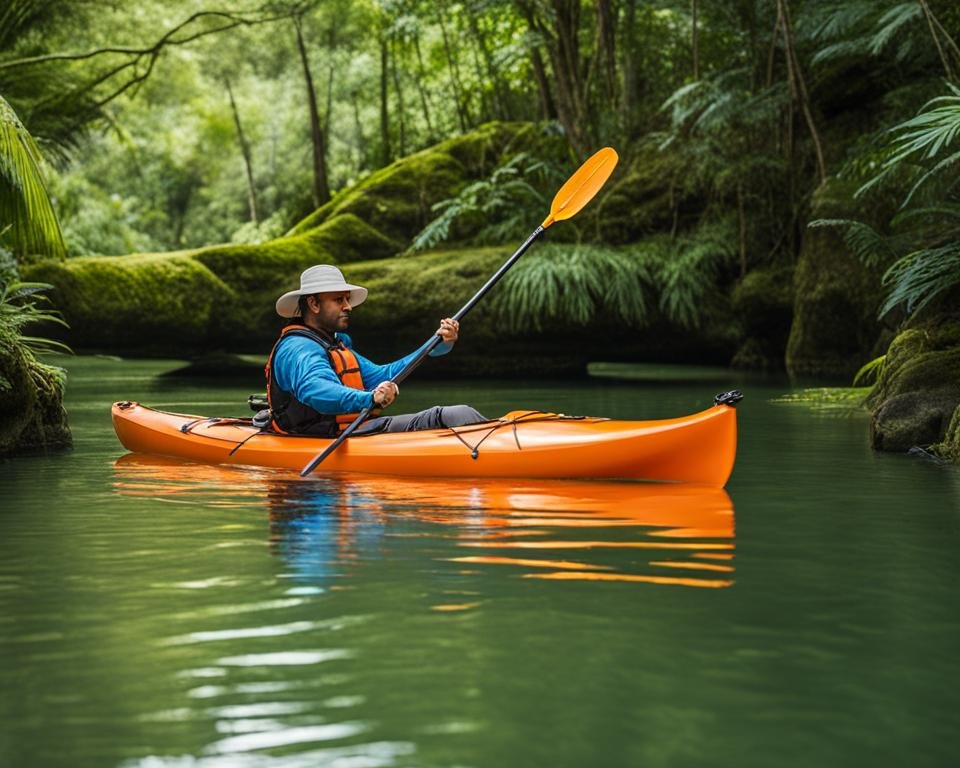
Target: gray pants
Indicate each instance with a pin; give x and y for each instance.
(438, 417)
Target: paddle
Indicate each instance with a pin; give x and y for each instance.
(576, 192)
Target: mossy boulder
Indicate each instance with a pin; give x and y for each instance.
(763, 304)
(916, 397)
(651, 195)
(137, 302)
(949, 447)
(32, 416)
(397, 201)
(835, 329)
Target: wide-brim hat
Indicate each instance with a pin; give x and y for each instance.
(319, 279)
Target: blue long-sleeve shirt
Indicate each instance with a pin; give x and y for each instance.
(302, 367)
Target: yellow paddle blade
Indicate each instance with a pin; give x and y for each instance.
(580, 188)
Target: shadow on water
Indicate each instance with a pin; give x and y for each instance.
(565, 530)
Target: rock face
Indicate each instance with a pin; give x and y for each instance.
(763, 303)
(32, 417)
(916, 398)
(835, 329)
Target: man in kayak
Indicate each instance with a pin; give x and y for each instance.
(317, 384)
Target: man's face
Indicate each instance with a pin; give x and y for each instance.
(333, 310)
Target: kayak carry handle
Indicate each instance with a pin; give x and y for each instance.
(730, 398)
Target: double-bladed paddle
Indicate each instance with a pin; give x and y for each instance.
(576, 192)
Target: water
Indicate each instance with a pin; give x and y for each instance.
(161, 615)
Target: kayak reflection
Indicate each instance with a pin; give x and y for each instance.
(543, 529)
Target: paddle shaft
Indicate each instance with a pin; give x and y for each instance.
(426, 350)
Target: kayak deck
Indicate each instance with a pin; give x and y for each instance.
(699, 448)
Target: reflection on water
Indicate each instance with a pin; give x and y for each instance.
(283, 681)
(572, 530)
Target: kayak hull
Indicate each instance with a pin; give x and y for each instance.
(699, 448)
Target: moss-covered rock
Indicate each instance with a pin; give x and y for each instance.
(918, 392)
(834, 329)
(137, 302)
(397, 200)
(763, 304)
(949, 447)
(651, 195)
(32, 416)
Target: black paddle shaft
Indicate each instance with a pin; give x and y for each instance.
(426, 350)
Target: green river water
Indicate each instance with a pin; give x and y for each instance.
(163, 615)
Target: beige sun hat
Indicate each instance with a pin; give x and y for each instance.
(319, 279)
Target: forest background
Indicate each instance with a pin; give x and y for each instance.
(786, 197)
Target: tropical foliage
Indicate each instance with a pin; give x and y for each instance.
(30, 226)
(921, 249)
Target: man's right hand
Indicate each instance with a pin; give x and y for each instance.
(385, 393)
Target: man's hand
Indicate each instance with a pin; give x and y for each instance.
(385, 393)
(448, 330)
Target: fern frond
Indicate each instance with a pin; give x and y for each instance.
(921, 276)
(870, 372)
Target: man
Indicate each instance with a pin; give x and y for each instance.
(317, 384)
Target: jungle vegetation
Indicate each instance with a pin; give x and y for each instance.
(176, 124)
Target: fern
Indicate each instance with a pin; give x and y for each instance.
(503, 198)
(19, 309)
(870, 372)
(574, 285)
(868, 245)
(685, 278)
(921, 276)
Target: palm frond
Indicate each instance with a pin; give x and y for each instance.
(921, 276)
(868, 245)
(24, 201)
(892, 23)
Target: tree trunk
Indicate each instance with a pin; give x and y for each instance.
(742, 219)
(359, 142)
(245, 151)
(328, 112)
(548, 109)
(421, 79)
(503, 111)
(321, 189)
(399, 93)
(798, 87)
(560, 29)
(695, 43)
(628, 67)
(385, 153)
(454, 67)
(932, 23)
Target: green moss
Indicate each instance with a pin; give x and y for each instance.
(763, 304)
(649, 196)
(835, 401)
(136, 301)
(949, 447)
(32, 416)
(917, 395)
(348, 238)
(835, 329)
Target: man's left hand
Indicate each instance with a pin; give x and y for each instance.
(449, 330)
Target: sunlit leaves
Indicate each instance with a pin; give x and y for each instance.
(33, 229)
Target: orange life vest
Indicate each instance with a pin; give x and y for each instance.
(290, 416)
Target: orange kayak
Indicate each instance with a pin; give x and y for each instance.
(699, 448)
